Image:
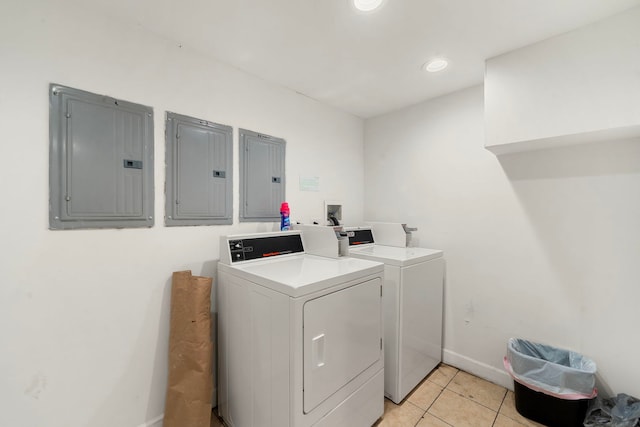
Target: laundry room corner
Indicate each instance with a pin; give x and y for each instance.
(538, 243)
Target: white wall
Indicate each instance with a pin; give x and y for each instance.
(84, 314)
(541, 245)
(584, 82)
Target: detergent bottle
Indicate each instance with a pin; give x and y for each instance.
(285, 222)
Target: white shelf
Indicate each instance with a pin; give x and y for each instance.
(602, 135)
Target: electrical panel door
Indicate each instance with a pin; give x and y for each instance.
(199, 172)
(101, 161)
(262, 176)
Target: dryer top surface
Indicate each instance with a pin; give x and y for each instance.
(303, 274)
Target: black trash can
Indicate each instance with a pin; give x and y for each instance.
(552, 386)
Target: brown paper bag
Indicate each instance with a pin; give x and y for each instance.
(190, 382)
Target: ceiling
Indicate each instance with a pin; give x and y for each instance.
(363, 63)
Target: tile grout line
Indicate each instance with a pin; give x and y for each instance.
(448, 382)
(506, 391)
(500, 407)
(474, 401)
(431, 404)
(505, 415)
(495, 419)
(434, 400)
(496, 412)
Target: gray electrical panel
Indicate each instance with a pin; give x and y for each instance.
(262, 179)
(199, 186)
(100, 161)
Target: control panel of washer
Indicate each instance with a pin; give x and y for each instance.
(362, 236)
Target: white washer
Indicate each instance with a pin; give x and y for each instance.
(300, 336)
(413, 300)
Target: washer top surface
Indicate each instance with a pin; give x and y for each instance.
(303, 274)
(392, 255)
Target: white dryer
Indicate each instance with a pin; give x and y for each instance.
(300, 336)
(413, 301)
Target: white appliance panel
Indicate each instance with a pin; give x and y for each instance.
(412, 306)
(389, 234)
(342, 338)
(391, 316)
(252, 319)
(420, 322)
(360, 408)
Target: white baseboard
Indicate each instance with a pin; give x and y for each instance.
(479, 369)
(155, 422)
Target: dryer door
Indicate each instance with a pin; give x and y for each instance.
(342, 338)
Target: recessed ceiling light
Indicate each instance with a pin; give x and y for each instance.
(436, 65)
(367, 5)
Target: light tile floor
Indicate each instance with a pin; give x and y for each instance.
(449, 397)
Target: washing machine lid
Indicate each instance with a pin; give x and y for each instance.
(392, 255)
(299, 275)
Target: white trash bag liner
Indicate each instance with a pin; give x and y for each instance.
(561, 373)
